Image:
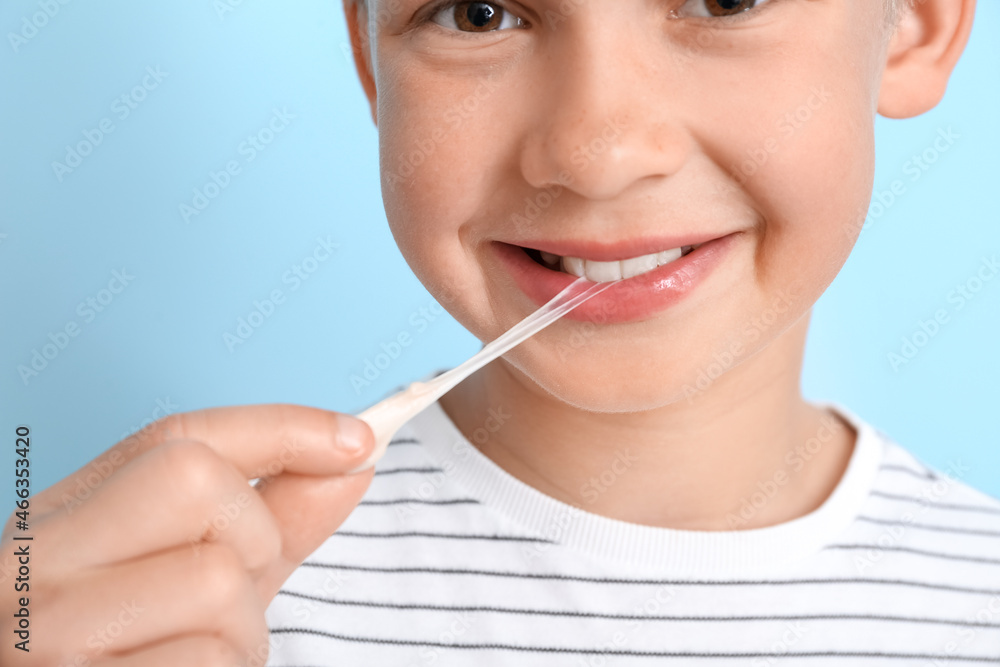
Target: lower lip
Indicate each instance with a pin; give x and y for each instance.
(632, 299)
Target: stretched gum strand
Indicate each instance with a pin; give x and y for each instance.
(387, 416)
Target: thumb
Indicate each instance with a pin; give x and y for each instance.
(308, 510)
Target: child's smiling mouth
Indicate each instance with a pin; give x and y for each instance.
(651, 279)
(601, 272)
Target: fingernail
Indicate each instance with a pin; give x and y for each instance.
(353, 434)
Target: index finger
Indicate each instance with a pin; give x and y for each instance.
(259, 440)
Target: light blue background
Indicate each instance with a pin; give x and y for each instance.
(161, 340)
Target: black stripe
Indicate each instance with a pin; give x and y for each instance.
(927, 474)
(924, 526)
(642, 617)
(937, 505)
(638, 654)
(393, 471)
(407, 501)
(921, 552)
(450, 536)
(404, 441)
(660, 582)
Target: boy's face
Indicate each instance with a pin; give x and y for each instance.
(607, 121)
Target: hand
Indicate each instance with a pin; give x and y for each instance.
(159, 553)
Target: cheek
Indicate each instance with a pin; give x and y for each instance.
(802, 156)
(438, 139)
(435, 144)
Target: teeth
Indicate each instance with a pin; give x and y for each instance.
(573, 265)
(668, 256)
(637, 265)
(549, 258)
(602, 272)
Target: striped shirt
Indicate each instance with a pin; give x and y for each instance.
(449, 560)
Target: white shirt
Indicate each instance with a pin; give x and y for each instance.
(449, 560)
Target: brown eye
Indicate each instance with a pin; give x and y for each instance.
(727, 7)
(477, 16)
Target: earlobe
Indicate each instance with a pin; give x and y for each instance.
(357, 28)
(929, 39)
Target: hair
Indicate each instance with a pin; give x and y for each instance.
(893, 11)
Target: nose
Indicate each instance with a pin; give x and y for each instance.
(600, 125)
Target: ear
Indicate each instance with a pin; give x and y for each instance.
(357, 26)
(929, 38)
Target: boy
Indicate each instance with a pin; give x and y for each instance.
(642, 480)
(592, 497)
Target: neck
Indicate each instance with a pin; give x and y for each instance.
(748, 452)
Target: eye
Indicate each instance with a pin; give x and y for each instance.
(476, 17)
(714, 8)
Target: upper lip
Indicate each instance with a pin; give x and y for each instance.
(603, 251)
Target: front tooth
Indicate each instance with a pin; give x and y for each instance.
(602, 272)
(667, 256)
(549, 258)
(573, 265)
(637, 265)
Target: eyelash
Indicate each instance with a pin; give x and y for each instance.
(436, 7)
(746, 15)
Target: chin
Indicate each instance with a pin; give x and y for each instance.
(605, 386)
